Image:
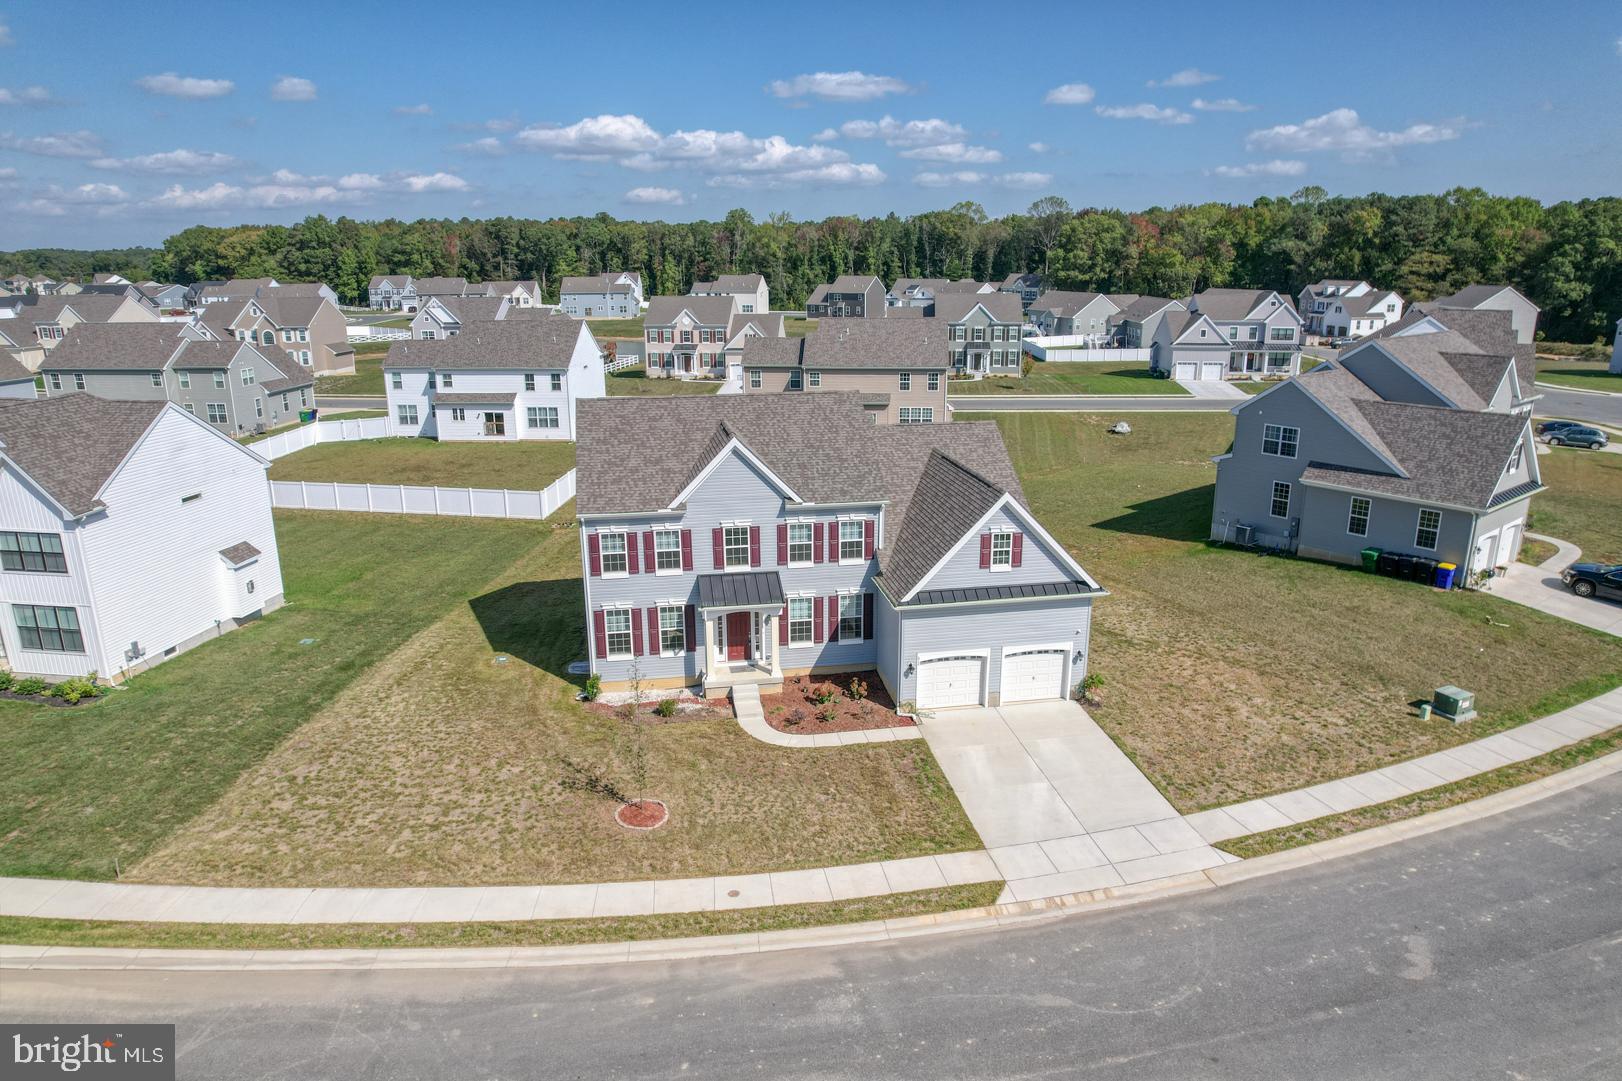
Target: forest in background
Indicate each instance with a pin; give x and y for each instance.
(1566, 256)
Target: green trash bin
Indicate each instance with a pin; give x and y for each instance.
(1371, 559)
(306, 415)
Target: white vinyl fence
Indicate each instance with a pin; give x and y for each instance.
(322, 431)
(368, 332)
(1080, 348)
(419, 499)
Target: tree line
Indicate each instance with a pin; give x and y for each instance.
(1567, 256)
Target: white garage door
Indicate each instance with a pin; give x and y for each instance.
(1186, 370)
(1033, 674)
(949, 681)
(1211, 370)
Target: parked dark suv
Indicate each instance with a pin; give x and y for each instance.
(1594, 580)
(1550, 427)
(1592, 438)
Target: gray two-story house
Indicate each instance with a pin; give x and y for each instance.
(1263, 329)
(983, 332)
(776, 535)
(899, 367)
(849, 296)
(391, 292)
(1063, 313)
(1025, 286)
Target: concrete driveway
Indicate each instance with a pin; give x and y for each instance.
(1060, 807)
(1540, 587)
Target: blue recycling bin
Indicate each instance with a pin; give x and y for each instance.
(1444, 575)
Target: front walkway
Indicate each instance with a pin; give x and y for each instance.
(752, 719)
(1212, 388)
(1540, 587)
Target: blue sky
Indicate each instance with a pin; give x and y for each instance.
(119, 126)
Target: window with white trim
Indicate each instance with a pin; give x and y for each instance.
(672, 629)
(406, 415)
(557, 381)
(458, 414)
(934, 380)
(48, 629)
(850, 617)
(852, 540)
(617, 631)
(917, 414)
(34, 553)
(529, 380)
(735, 546)
(248, 377)
(905, 381)
(1357, 520)
(447, 380)
(543, 416)
(396, 380)
(1280, 507)
(1280, 441)
(78, 380)
(815, 379)
(216, 412)
(1002, 549)
(794, 379)
(799, 621)
(611, 547)
(800, 548)
(1514, 459)
(56, 380)
(667, 549)
(219, 380)
(754, 378)
(1428, 528)
(157, 379)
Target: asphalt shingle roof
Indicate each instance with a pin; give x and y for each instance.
(1232, 305)
(730, 283)
(71, 445)
(713, 311)
(94, 347)
(857, 343)
(13, 371)
(1145, 307)
(1004, 307)
(545, 341)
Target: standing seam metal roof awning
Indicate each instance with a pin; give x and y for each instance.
(750, 589)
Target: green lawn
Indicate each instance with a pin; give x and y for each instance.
(1584, 502)
(795, 326)
(616, 328)
(1252, 386)
(1579, 374)
(368, 377)
(1068, 378)
(520, 465)
(88, 787)
(634, 383)
(1230, 675)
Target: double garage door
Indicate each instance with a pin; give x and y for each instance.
(1027, 675)
(1200, 371)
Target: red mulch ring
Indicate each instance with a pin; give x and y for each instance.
(797, 710)
(644, 814)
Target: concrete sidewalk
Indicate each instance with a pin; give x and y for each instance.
(752, 719)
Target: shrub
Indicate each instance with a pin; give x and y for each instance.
(32, 685)
(72, 690)
(6, 680)
(1027, 366)
(594, 687)
(824, 694)
(794, 718)
(828, 713)
(857, 690)
(666, 707)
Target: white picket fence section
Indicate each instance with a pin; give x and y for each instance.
(322, 431)
(371, 333)
(419, 499)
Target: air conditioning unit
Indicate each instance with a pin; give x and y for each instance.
(1244, 534)
(1454, 703)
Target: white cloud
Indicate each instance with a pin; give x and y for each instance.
(965, 177)
(63, 144)
(1070, 94)
(837, 174)
(57, 202)
(1039, 148)
(423, 109)
(655, 196)
(946, 180)
(222, 196)
(958, 153)
(1341, 130)
(1276, 167)
(8, 173)
(178, 162)
(292, 88)
(826, 135)
(1618, 42)
(172, 85)
(1222, 105)
(1024, 180)
(348, 182)
(1186, 77)
(839, 86)
(1145, 111)
(894, 132)
(489, 146)
(27, 95)
(5, 34)
(594, 138)
(423, 182)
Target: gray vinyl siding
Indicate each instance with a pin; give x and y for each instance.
(944, 628)
(887, 639)
(1392, 528)
(123, 386)
(963, 570)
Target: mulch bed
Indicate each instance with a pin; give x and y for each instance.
(49, 700)
(644, 814)
(688, 709)
(797, 711)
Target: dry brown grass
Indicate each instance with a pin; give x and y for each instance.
(439, 766)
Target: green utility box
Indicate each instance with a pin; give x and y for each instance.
(1455, 703)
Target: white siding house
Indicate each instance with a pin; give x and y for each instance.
(598, 295)
(129, 532)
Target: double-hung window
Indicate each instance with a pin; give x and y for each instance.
(216, 412)
(735, 546)
(799, 542)
(612, 547)
(815, 379)
(529, 380)
(934, 380)
(1280, 507)
(754, 378)
(396, 380)
(78, 380)
(543, 416)
(1429, 527)
(1002, 549)
(219, 380)
(852, 540)
(557, 381)
(247, 377)
(672, 628)
(794, 379)
(458, 414)
(53, 630)
(406, 415)
(56, 380)
(157, 379)
(1357, 521)
(38, 553)
(799, 621)
(447, 380)
(185, 380)
(617, 630)
(905, 381)
(667, 549)
(850, 617)
(1279, 440)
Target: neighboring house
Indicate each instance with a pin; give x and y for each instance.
(1139, 322)
(774, 536)
(16, 381)
(1523, 312)
(1262, 328)
(129, 532)
(1459, 358)
(1064, 314)
(1342, 308)
(1325, 466)
(753, 295)
(898, 366)
(448, 287)
(195, 291)
(235, 289)
(520, 294)
(1188, 347)
(166, 297)
(594, 296)
(441, 317)
(513, 379)
(850, 296)
(266, 288)
(1025, 286)
(391, 292)
(921, 292)
(311, 330)
(1616, 350)
(35, 324)
(687, 336)
(983, 332)
(109, 279)
(235, 386)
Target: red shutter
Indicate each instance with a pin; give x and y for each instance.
(687, 549)
(816, 620)
(636, 635)
(647, 552)
(985, 550)
(782, 628)
(867, 616)
(599, 625)
(632, 558)
(833, 542)
(655, 647)
(833, 618)
(718, 551)
(754, 546)
(692, 628)
(1019, 548)
(816, 544)
(595, 548)
(867, 537)
(782, 543)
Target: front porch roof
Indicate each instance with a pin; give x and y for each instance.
(491, 398)
(748, 589)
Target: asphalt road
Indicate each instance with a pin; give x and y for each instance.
(1575, 405)
(1492, 950)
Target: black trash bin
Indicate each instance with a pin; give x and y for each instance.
(1405, 566)
(1424, 569)
(1386, 564)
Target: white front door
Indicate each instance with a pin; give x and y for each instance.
(1211, 370)
(1186, 369)
(946, 682)
(1033, 674)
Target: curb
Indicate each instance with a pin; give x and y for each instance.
(1576, 390)
(1013, 915)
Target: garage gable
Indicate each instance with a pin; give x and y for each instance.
(1022, 556)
